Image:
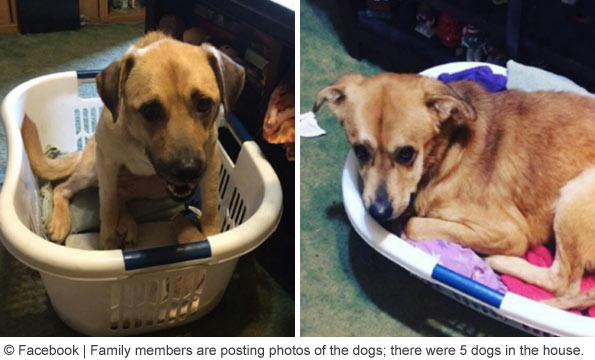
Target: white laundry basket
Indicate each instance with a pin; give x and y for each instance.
(512, 309)
(119, 292)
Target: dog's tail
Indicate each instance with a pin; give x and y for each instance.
(43, 166)
(581, 300)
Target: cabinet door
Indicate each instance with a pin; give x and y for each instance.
(89, 8)
(5, 18)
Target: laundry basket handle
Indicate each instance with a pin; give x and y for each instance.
(87, 74)
(467, 286)
(164, 255)
(238, 128)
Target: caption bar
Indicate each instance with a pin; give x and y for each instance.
(302, 348)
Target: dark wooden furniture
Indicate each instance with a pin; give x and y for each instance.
(275, 23)
(8, 16)
(518, 27)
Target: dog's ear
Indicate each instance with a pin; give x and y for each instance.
(451, 106)
(110, 83)
(230, 76)
(335, 94)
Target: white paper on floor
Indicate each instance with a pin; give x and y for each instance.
(309, 126)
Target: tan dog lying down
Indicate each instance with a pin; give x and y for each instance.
(156, 136)
(498, 173)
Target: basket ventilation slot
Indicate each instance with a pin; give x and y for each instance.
(235, 213)
(85, 122)
(154, 302)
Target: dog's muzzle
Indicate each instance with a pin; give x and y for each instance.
(181, 176)
(381, 209)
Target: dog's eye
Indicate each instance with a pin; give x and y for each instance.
(204, 105)
(362, 153)
(405, 155)
(152, 110)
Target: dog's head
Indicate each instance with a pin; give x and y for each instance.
(168, 94)
(391, 121)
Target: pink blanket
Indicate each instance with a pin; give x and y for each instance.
(541, 256)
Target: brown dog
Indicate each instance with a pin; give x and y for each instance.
(156, 136)
(498, 173)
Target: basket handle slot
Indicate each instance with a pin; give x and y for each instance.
(468, 286)
(164, 255)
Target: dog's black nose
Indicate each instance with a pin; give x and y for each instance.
(381, 211)
(381, 208)
(187, 169)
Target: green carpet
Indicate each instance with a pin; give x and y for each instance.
(347, 288)
(254, 304)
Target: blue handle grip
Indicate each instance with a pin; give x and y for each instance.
(239, 128)
(87, 74)
(139, 259)
(470, 287)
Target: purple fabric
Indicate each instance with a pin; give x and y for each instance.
(461, 260)
(481, 74)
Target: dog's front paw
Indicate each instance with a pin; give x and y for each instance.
(210, 230)
(410, 232)
(58, 228)
(109, 241)
(190, 234)
(127, 229)
(209, 226)
(186, 230)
